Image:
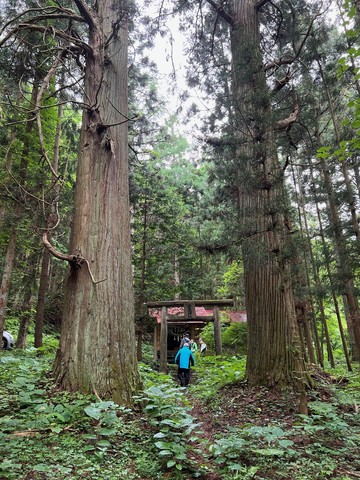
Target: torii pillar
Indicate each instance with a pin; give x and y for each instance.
(163, 340)
(217, 331)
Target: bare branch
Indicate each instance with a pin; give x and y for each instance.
(285, 60)
(287, 123)
(42, 90)
(47, 30)
(76, 261)
(26, 193)
(86, 13)
(32, 15)
(220, 10)
(259, 5)
(281, 83)
(280, 23)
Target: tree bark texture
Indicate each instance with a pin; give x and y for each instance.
(274, 351)
(98, 348)
(40, 306)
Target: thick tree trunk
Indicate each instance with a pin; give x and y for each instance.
(274, 351)
(97, 348)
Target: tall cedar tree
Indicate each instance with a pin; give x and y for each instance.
(97, 347)
(274, 352)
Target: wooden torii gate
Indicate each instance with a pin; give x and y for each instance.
(189, 317)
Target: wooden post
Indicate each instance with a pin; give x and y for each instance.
(163, 341)
(155, 339)
(192, 332)
(217, 331)
(139, 345)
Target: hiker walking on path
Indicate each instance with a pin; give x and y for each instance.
(184, 358)
(185, 339)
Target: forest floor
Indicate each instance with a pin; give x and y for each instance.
(217, 429)
(267, 417)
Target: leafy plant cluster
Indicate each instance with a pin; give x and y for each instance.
(53, 435)
(233, 336)
(321, 445)
(176, 430)
(314, 447)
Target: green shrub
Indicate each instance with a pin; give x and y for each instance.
(233, 335)
(234, 338)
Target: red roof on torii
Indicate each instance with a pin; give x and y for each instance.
(233, 316)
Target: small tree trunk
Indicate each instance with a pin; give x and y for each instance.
(340, 244)
(333, 291)
(163, 341)
(344, 267)
(6, 277)
(46, 259)
(303, 219)
(217, 331)
(11, 247)
(303, 307)
(40, 307)
(25, 315)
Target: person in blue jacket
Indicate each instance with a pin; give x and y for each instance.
(184, 358)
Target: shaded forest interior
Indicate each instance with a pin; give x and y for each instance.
(178, 151)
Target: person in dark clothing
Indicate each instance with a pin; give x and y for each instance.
(185, 339)
(184, 358)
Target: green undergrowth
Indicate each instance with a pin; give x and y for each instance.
(47, 434)
(55, 435)
(268, 445)
(323, 445)
(212, 373)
